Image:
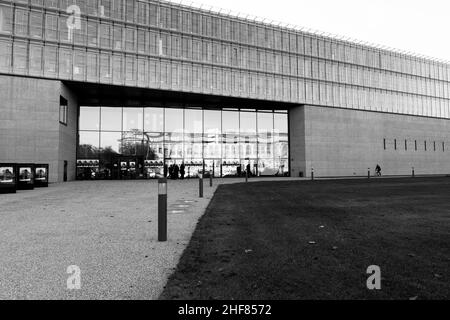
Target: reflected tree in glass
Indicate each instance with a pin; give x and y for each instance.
(88, 147)
(173, 140)
(132, 143)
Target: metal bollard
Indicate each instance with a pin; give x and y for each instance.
(210, 178)
(312, 174)
(246, 176)
(162, 210)
(200, 185)
(413, 172)
(368, 173)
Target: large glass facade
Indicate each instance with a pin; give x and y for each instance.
(160, 45)
(147, 141)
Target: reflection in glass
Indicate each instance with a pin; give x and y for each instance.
(282, 166)
(110, 142)
(173, 120)
(230, 135)
(88, 145)
(212, 135)
(154, 119)
(132, 143)
(193, 167)
(133, 119)
(89, 118)
(173, 141)
(154, 145)
(214, 166)
(109, 150)
(193, 130)
(247, 139)
(281, 143)
(193, 121)
(224, 141)
(154, 133)
(281, 122)
(265, 135)
(231, 168)
(266, 167)
(111, 119)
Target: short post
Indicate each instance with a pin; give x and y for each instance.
(162, 209)
(413, 172)
(210, 178)
(312, 174)
(246, 176)
(200, 185)
(368, 173)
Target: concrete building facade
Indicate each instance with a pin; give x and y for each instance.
(348, 106)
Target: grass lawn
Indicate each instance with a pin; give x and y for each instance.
(315, 240)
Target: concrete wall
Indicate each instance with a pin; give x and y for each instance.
(339, 142)
(68, 136)
(29, 124)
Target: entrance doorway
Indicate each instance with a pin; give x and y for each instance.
(214, 165)
(253, 167)
(65, 171)
(126, 167)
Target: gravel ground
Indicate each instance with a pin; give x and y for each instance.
(107, 228)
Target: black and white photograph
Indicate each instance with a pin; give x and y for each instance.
(41, 174)
(6, 175)
(225, 157)
(25, 174)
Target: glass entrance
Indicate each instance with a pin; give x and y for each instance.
(250, 165)
(213, 165)
(144, 142)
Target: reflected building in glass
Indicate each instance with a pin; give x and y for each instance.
(222, 142)
(123, 88)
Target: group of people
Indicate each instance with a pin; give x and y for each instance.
(247, 171)
(174, 171)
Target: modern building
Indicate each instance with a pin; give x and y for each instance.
(111, 88)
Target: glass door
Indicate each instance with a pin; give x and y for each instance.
(250, 165)
(213, 165)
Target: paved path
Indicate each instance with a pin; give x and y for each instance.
(107, 228)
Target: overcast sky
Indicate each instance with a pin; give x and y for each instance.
(419, 26)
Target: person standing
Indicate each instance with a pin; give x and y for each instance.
(171, 171)
(176, 170)
(248, 170)
(182, 171)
